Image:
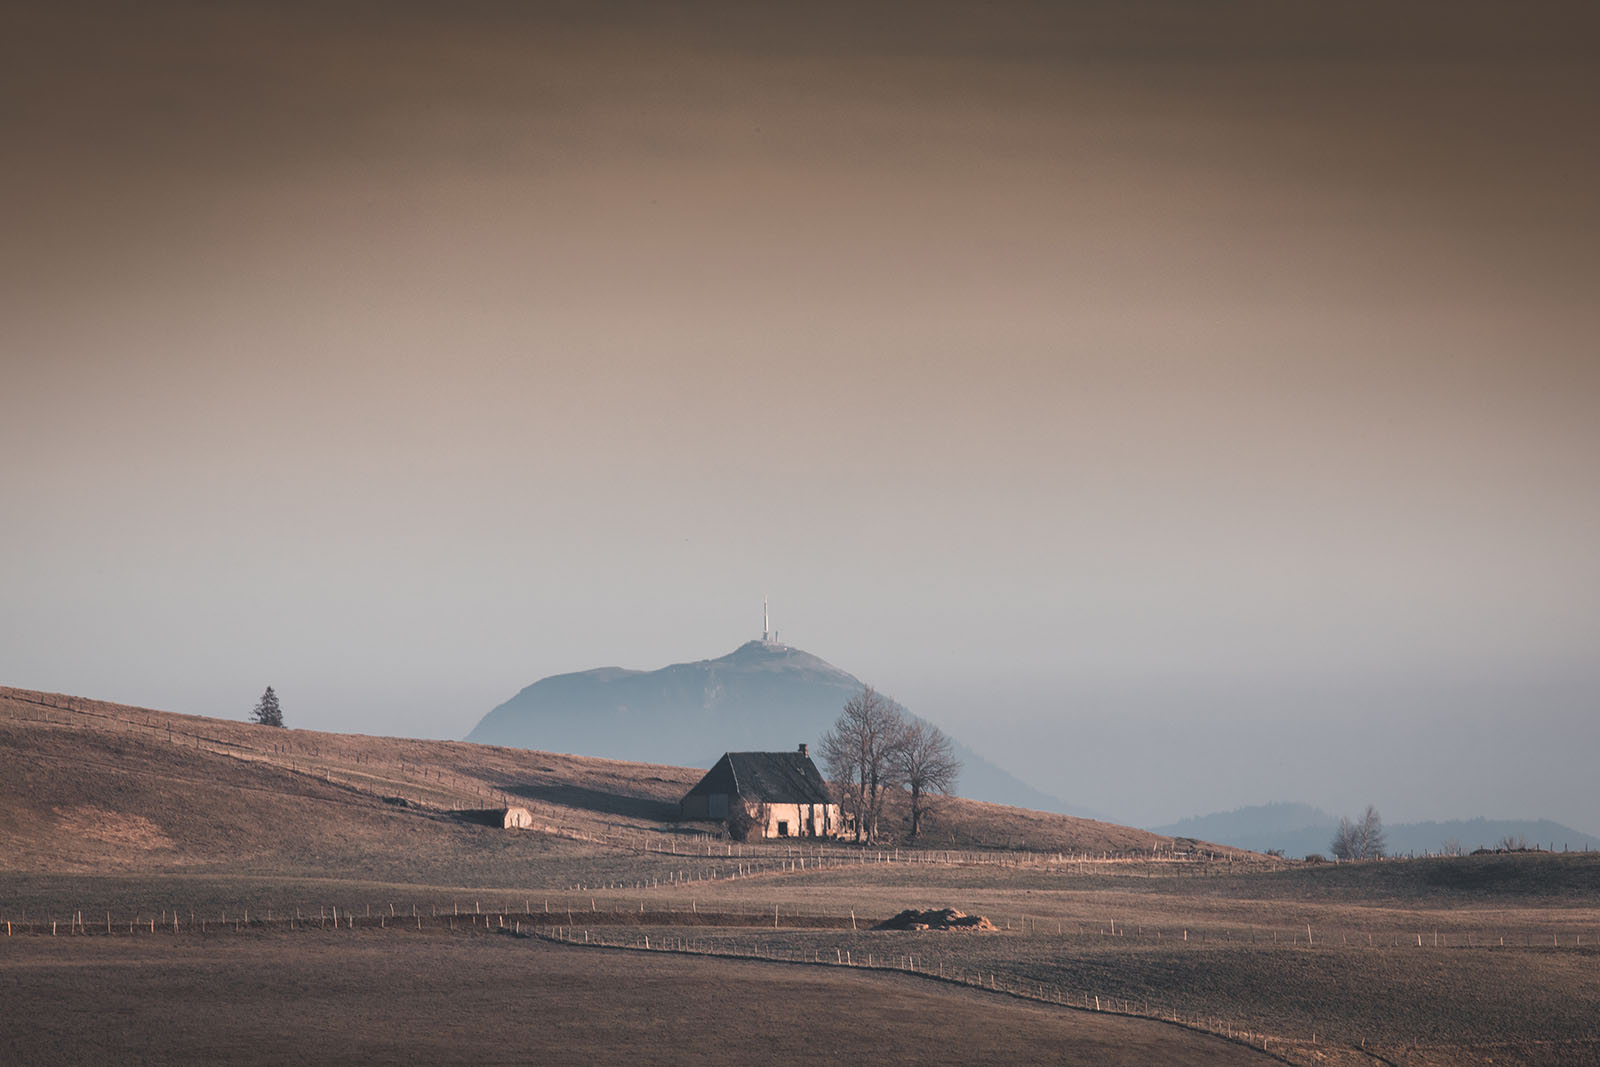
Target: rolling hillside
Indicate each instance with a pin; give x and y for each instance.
(88, 786)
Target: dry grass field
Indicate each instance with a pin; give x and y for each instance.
(231, 792)
(206, 859)
(392, 998)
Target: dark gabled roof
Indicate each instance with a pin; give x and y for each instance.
(768, 777)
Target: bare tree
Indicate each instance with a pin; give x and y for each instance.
(927, 766)
(860, 755)
(267, 712)
(838, 749)
(1374, 842)
(1343, 846)
(886, 732)
(1363, 839)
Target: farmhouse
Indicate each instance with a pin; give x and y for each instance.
(781, 791)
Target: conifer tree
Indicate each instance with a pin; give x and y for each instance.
(267, 712)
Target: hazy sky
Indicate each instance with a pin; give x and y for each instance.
(1186, 404)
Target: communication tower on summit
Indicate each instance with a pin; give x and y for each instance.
(769, 636)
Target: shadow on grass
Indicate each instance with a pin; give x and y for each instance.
(599, 801)
(480, 816)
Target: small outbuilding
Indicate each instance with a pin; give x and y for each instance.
(781, 793)
(518, 819)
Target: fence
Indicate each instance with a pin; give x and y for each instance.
(544, 909)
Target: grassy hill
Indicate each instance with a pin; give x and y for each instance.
(92, 786)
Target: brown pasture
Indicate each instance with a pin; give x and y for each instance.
(394, 997)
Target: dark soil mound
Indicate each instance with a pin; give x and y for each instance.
(942, 919)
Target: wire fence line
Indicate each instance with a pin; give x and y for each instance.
(541, 909)
(989, 979)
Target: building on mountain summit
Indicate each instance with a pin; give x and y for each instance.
(779, 794)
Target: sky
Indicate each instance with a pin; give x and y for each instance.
(1186, 405)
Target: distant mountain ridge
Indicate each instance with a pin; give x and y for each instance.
(762, 696)
(1300, 829)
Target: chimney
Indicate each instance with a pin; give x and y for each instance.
(803, 750)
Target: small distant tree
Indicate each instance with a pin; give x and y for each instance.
(267, 711)
(1373, 841)
(1362, 839)
(1343, 845)
(928, 766)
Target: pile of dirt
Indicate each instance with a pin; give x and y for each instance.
(940, 919)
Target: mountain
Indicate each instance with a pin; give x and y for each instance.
(762, 696)
(1279, 825)
(1299, 829)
